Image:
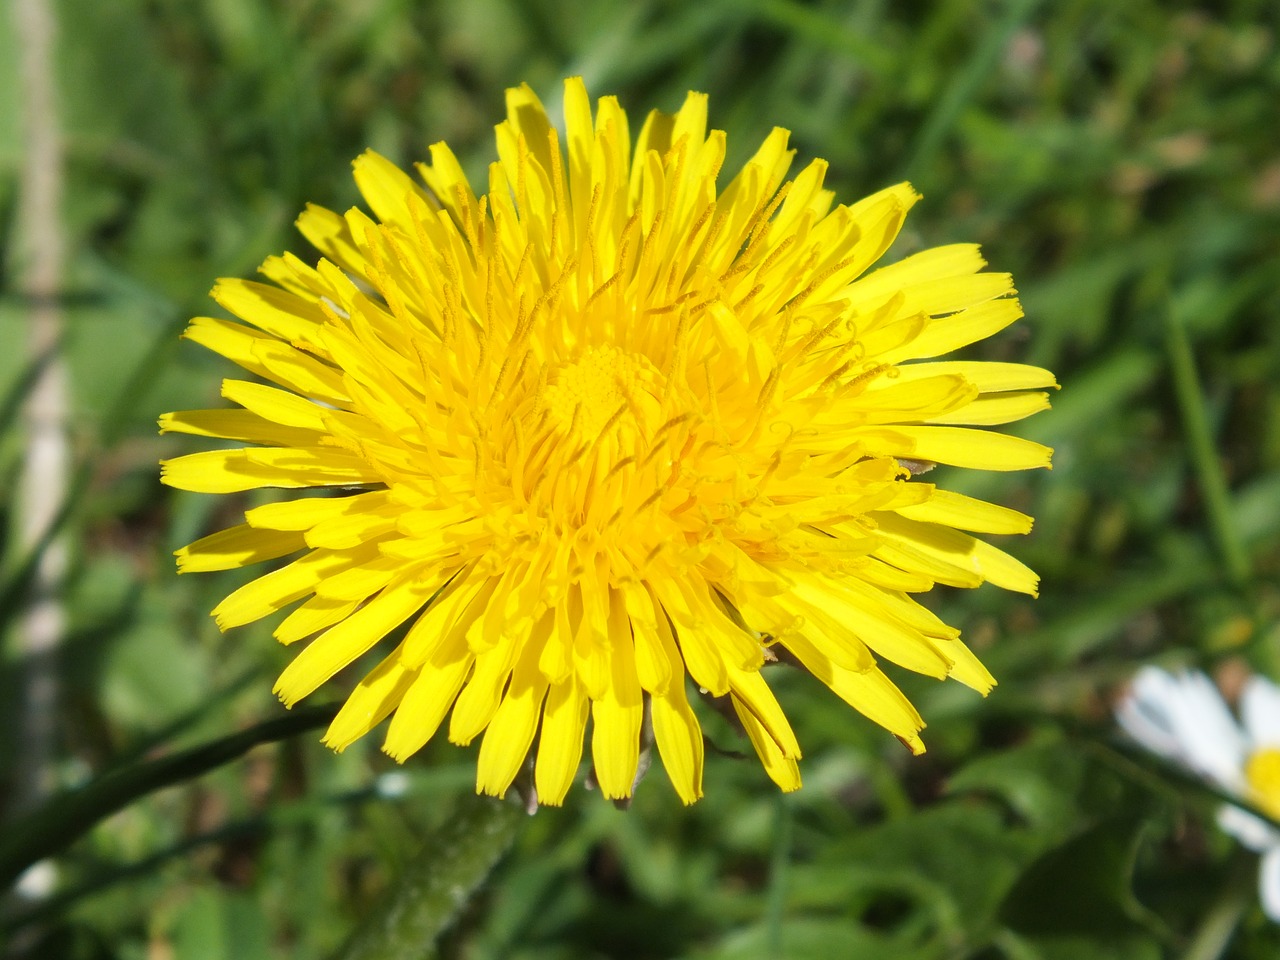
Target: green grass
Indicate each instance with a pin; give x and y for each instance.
(1119, 159)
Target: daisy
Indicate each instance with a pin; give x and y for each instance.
(1183, 718)
(619, 428)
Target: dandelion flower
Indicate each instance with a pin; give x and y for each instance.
(611, 431)
(1183, 718)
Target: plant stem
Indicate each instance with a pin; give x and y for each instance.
(1219, 925)
(66, 816)
(779, 864)
(438, 884)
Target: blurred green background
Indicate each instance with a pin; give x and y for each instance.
(1122, 160)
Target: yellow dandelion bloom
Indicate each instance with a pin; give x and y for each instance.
(607, 429)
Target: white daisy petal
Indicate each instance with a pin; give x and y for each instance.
(1183, 717)
(1269, 883)
(1214, 743)
(1260, 711)
(1144, 713)
(1250, 830)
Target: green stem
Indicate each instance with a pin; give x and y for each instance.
(1204, 456)
(66, 816)
(436, 886)
(294, 814)
(779, 863)
(1214, 934)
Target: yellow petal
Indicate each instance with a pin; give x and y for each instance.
(707, 638)
(873, 695)
(236, 546)
(372, 701)
(782, 769)
(869, 692)
(656, 663)
(958, 330)
(312, 617)
(965, 513)
(339, 645)
(479, 700)
(987, 376)
(447, 181)
(556, 661)
(340, 533)
(580, 140)
(441, 625)
(977, 449)
(278, 406)
(528, 119)
(879, 218)
(927, 400)
(236, 425)
(327, 231)
(564, 718)
(510, 733)
(961, 550)
(270, 309)
(386, 188)
(427, 701)
(230, 471)
(275, 590)
(357, 582)
(994, 410)
(927, 266)
(306, 513)
(906, 554)
(968, 669)
(232, 340)
(875, 626)
(615, 739)
(749, 689)
(299, 371)
(679, 740)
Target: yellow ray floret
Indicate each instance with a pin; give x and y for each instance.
(619, 428)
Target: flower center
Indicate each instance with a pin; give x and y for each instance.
(1262, 773)
(602, 385)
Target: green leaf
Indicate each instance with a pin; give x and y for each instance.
(1081, 892)
(1054, 784)
(940, 873)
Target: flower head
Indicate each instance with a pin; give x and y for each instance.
(1183, 718)
(613, 425)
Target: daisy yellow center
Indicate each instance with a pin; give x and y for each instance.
(1262, 774)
